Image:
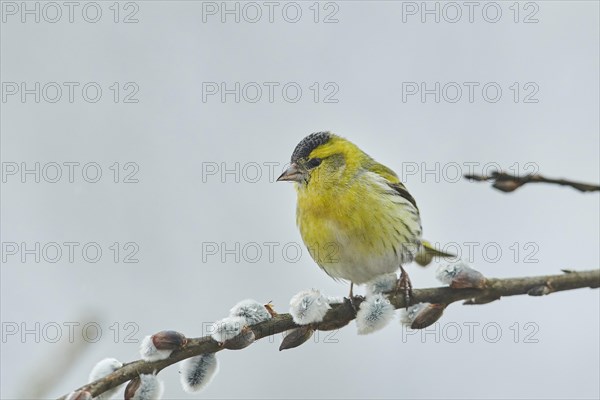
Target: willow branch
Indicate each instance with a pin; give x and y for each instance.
(508, 183)
(341, 314)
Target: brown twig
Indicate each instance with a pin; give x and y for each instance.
(341, 314)
(508, 183)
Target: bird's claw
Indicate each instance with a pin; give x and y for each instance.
(405, 285)
(354, 302)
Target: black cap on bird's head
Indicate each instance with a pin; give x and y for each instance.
(308, 144)
(296, 171)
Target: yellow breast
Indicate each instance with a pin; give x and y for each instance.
(357, 230)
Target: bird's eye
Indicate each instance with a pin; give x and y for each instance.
(313, 163)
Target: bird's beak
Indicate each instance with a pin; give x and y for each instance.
(292, 174)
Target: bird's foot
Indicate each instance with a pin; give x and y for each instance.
(354, 300)
(405, 285)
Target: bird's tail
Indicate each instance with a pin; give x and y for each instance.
(428, 252)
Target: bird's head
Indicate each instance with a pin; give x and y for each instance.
(323, 158)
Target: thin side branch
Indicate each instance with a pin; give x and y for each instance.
(341, 314)
(508, 183)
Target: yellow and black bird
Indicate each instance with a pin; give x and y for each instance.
(355, 216)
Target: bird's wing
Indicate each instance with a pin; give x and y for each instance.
(393, 181)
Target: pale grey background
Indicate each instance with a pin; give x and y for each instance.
(171, 132)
